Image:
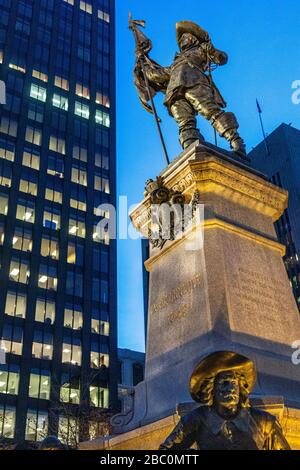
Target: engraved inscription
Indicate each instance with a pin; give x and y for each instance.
(176, 294)
(253, 289)
(177, 315)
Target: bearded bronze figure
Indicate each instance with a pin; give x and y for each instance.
(221, 383)
(187, 84)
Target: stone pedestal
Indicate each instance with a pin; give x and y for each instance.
(233, 294)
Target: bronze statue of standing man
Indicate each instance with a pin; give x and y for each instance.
(187, 84)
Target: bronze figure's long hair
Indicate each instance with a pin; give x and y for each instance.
(206, 391)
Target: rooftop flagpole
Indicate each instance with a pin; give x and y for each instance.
(263, 129)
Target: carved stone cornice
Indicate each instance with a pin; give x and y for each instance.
(244, 188)
(208, 173)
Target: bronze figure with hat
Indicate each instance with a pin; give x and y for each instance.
(188, 85)
(221, 383)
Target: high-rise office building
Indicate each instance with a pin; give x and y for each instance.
(279, 159)
(57, 166)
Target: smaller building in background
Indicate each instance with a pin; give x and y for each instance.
(279, 160)
(131, 373)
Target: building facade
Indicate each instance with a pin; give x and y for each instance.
(131, 373)
(281, 163)
(57, 170)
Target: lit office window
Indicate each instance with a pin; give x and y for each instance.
(99, 326)
(68, 431)
(33, 135)
(22, 239)
(103, 100)
(26, 210)
(73, 317)
(80, 153)
(19, 270)
(1, 57)
(2, 233)
(70, 389)
(99, 397)
(29, 187)
(87, 7)
(99, 360)
(61, 83)
(71, 353)
(57, 145)
(7, 421)
(101, 184)
(101, 235)
(3, 204)
(39, 385)
(79, 176)
(12, 340)
(56, 165)
(31, 159)
(50, 247)
(47, 277)
(82, 91)
(7, 150)
(19, 68)
(38, 92)
(5, 174)
(71, 2)
(98, 210)
(78, 198)
(75, 253)
(60, 102)
(51, 218)
(102, 118)
(40, 76)
(45, 311)
(103, 16)
(15, 304)
(77, 228)
(9, 379)
(42, 346)
(82, 110)
(36, 425)
(52, 194)
(9, 126)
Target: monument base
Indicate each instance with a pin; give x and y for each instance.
(151, 436)
(231, 293)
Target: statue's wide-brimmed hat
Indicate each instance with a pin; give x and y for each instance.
(189, 27)
(218, 362)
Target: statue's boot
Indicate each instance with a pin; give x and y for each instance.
(227, 126)
(188, 136)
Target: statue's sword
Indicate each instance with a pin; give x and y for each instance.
(133, 26)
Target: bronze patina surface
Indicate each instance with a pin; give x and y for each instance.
(187, 84)
(221, 383)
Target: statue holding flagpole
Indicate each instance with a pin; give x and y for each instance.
(187, 84)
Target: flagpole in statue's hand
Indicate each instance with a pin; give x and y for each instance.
(140, 55)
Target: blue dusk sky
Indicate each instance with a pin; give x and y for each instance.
(263, 42)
